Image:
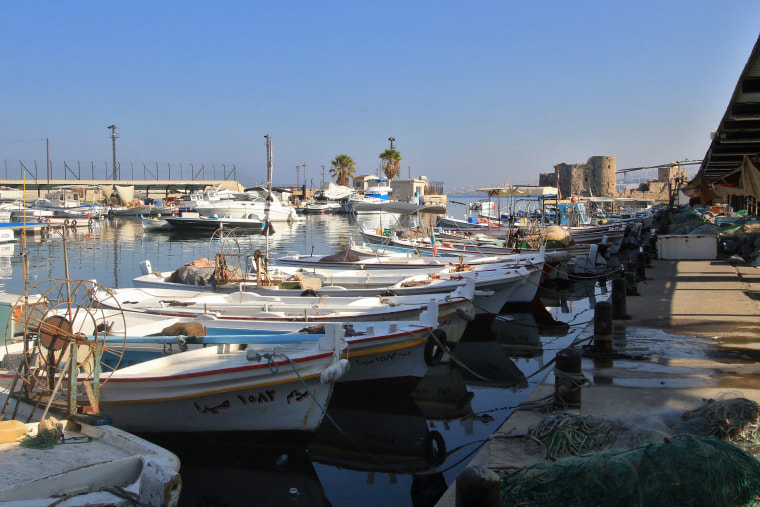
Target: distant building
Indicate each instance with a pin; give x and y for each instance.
(595, 178)
(419, 190)
(668, 179)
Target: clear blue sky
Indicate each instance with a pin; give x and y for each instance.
(475, 93)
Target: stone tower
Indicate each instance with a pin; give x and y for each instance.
(602, 176)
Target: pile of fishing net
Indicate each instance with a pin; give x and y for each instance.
(569, 433)
(555, 236)
(687, 470)
(698, 457)
(733, 419)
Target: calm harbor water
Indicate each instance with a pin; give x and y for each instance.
(375, 447)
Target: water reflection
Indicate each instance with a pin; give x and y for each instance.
(442, 393)
(376, 433)
(403, 448)
(242, 469)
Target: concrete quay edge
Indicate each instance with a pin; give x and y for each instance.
(694, 325)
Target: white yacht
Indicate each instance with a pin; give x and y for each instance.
(252, 203)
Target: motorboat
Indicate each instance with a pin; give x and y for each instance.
(203, 223)
(254, 203)
(155, 223)
(67, 202)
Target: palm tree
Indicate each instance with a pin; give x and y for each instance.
(391, 163)
(343, 168)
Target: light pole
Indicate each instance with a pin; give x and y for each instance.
(392, 140)
(323, 176)
(304, 176)
(114, 135)
(298, 176)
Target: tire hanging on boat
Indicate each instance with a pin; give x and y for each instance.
(435, 347)
(435, 449)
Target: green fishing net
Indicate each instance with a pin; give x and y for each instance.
(688, 470)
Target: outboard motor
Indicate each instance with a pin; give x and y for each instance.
(145, 267)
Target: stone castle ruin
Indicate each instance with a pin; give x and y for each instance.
(597, 178)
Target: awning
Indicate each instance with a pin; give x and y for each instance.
(743, 180)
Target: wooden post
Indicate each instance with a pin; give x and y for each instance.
(619, 303)
(568, 378)
(603, 327)
(641, 265)
(478, 486)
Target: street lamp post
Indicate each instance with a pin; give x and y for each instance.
(114, 135)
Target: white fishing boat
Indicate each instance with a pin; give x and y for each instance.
(455, 309)
(369, 257)
(6, 234)
(155, 223)
(230, 386)
(496, 283)
(236, 384)
(385, 350)
(104, 466)
(291, 281)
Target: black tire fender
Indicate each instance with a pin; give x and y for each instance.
(435, 449)
(435, 347)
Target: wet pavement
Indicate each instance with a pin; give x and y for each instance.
(692, 336)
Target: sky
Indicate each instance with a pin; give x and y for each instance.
(477, 93)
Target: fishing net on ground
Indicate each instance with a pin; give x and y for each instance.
(687, 470)
(568, 433)
(734, 419)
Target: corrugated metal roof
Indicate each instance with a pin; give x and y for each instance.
(739, 131)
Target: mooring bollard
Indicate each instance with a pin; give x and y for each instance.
(478, 486)
(632, 286)
(641, 265)
(648, 254)
(603, 327)
(568, 379)
(619, 303)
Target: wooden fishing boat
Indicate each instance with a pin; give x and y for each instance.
(108, 466)
(455, 309)
(236, 384)
(398, 353)
(293, 281)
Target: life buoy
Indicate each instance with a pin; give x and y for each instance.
(435, 347)
(435, 449)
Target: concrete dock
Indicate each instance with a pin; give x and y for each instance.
(692, 336)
